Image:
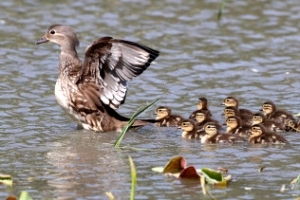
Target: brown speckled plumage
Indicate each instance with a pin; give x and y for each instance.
(91, 91)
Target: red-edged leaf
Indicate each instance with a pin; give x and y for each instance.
(189, 172)
(176, 164)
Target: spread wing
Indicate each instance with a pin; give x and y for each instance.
(112, 63)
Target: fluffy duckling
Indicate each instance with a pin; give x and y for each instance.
(272, 113)
(212, 135)
(293, 125)
(243, 113)
(165, 118)
(259, 118)
(234, 126)
(203, 104)
(233, 111)
(190, 130)
(202, 117)
(260, 135)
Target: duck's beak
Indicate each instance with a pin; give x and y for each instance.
(42, 40)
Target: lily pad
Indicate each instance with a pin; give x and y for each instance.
(6, 179)
(215, 178)
(175, 165)
(189, 172)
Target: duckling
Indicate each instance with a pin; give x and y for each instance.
(259, 118)
(233, 111)
(212, 135)
(244, 114)
(165, 118)
(235, 127)
(294, 126)
(272, 113)
(190, 130)
(259, 134)
(202, 117)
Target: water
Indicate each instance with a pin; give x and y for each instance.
(252, 54)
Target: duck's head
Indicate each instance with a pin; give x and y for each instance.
(233, 122)
(202, 103)
(187, 125)
(291, 123)
(210, 129)
(230, 111)
(201, 115)
(230, 101)
(162, 112)
(258, 118)
(257, 130)
(64, 36)
(268, 107)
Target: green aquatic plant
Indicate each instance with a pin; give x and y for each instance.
(133, 178)
(221, 9)
(131, 121)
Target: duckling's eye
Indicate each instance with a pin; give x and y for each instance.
(52, 32)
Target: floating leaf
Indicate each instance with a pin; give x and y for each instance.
(175, 165)
(189, 172)
(215, 178)
(6, 179)
(11, 198)
(158, 169)
(261, 169)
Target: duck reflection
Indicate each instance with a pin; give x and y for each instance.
(87, 160)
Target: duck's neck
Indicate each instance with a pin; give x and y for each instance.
(70, 65)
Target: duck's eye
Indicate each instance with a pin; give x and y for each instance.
(52, 32)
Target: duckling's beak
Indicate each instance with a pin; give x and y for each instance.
(222, 104)
(261, 109)
(42, 40)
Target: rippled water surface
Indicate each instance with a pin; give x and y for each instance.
(252, 54)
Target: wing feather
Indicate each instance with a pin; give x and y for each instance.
(112, 63)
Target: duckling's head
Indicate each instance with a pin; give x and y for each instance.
(257, 130)
(201, 115)
(268, 107)
(64, 36)
(231, 101)
(230, 111)
(291, 123)
(202, 103)
(258, 118)
(162, 112)
(210, 129)
(233, 122)
(187, 125)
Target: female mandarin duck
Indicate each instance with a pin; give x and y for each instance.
(212, 135)
(260, 135)
(190, 130)
(165, 118)
(91, 91)
(234, 126)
